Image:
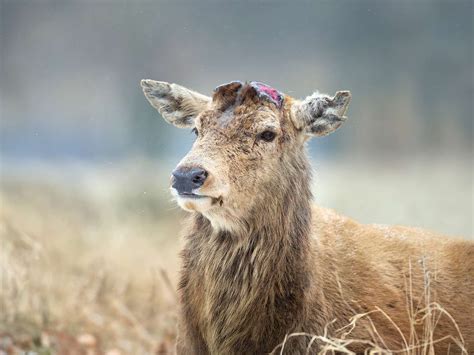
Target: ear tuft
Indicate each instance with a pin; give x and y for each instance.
(320, 114)
(177, 104)
(152, 88)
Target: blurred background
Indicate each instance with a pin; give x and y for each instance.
(89, 236)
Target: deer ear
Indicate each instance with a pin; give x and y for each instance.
(320, 114)
(178, 105)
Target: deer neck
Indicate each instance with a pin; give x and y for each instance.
(261, 274)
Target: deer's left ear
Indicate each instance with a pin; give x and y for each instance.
(320, 114)
(177, 104)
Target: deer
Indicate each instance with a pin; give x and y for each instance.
(261, 261)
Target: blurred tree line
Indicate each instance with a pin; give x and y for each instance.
(70, 71)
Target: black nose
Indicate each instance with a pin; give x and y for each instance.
(186, 179)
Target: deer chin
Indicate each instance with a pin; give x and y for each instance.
(195, 202)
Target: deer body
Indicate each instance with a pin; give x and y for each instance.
(261, 262)
(243, 298)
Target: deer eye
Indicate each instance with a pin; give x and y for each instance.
(267, 136)
(195, 131)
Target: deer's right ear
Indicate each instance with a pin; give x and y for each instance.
(320, 114)
(178, 105)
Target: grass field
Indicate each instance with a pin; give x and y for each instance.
(89, 254)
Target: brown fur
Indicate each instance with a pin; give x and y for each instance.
(261, 262)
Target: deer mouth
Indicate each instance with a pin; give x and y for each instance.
(191, 195)
(195, 201)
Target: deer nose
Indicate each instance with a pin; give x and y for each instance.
(186, 179)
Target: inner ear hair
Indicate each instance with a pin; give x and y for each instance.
(177, 104)
(320, 114)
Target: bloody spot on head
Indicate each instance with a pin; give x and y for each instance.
(268, 92)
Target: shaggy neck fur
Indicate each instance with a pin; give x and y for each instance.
(253, 284)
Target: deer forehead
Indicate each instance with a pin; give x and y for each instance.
(243, 118)
(245, 106)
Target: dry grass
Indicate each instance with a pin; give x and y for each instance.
(79, 270)
(88, 262)
(426, 315)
